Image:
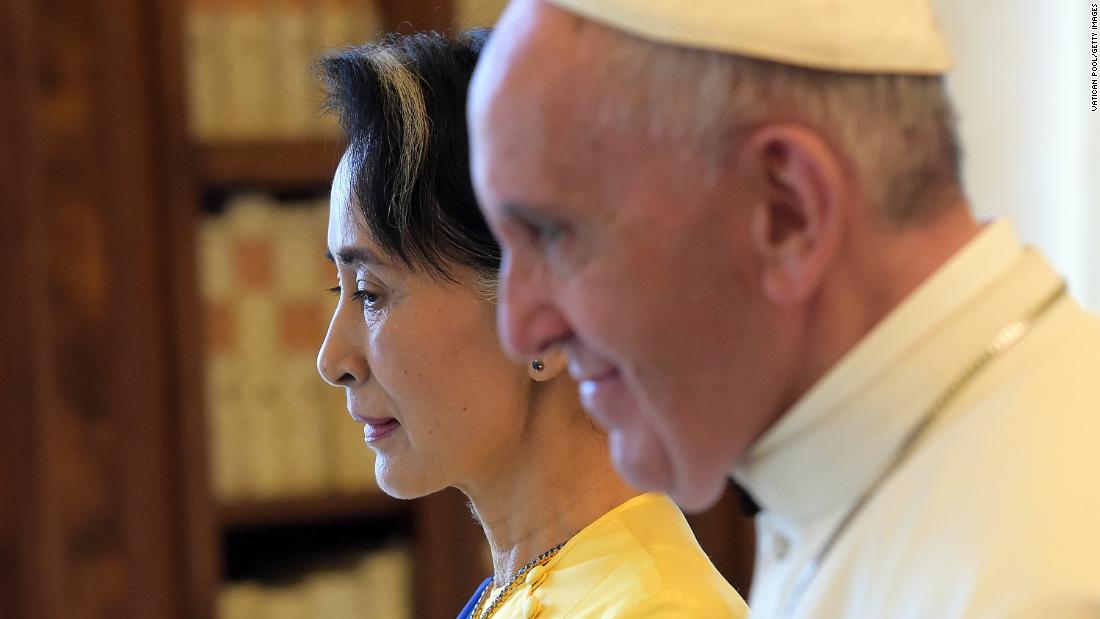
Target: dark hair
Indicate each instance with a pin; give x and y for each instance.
(402, 103)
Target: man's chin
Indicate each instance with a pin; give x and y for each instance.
(694, 497)
(640, 460)
(645, 464)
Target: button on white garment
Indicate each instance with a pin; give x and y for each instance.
(775, 545)
(780, 546)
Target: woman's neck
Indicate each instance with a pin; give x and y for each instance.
(557, 483)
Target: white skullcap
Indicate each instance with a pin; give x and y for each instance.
(858, 36)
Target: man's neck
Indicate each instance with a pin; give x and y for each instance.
(876, 276)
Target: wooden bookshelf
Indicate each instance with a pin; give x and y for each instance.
(269, 164)
(312, 509)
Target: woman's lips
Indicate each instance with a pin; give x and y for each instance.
(376, 429)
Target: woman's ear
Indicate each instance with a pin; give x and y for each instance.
(547, 365)
(797, 218)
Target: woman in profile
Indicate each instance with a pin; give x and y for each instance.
(413, 343)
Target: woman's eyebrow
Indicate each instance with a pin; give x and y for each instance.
(348, 256)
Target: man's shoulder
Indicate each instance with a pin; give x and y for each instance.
(1036, 407)
(1002, 497)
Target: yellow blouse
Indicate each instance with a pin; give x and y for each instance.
(637, 560)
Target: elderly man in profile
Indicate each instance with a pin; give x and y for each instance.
(744, 222)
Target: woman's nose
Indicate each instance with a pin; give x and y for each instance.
(340, 361)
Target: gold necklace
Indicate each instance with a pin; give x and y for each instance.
(509, 588)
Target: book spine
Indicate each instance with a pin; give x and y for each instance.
(298, 100)
(478, 13)
(203, 50)
(377, 585)
(250, 80)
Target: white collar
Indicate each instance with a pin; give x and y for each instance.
(810, 460)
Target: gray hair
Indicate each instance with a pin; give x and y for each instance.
(897, 130)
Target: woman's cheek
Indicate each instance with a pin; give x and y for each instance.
(381, 338)
(395, 355)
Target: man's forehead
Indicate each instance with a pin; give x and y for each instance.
(533, 42)
(518, 99)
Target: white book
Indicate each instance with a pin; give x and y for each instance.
(242, 601)
(475, 13)
(286, 602)
(364, 21)
(250, 80)
(387, 578)
(223, 389)
(228, 442)
(301, 270)
(298, 99)
(265, 466)
(302, 431)
(215, 265)
(341, 23)
(301, 276)
(203, 50)
(334, 595)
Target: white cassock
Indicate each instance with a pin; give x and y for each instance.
(996, 511)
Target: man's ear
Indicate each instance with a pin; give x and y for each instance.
(798, 214)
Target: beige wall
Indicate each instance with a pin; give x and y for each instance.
(1021, 85)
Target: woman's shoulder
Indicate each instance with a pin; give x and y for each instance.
(641, 560)
(672, 604)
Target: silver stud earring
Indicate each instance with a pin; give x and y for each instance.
(537, 365)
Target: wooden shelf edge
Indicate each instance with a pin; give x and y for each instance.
(307, 510)
(270, 164)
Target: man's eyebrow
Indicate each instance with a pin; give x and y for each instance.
(355, 255)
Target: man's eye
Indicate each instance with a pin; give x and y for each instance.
(550, 234)
(544, 235)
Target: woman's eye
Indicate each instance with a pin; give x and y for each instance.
(364, 295)
(367, 297)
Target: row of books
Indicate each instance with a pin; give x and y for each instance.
(276, 429)
(377, 586)
(249, 62)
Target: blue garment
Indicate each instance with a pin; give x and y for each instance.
(468, 609)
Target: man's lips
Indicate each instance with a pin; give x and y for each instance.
(596, 377)
(603, 395)
(584, 367)
(377, 428)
